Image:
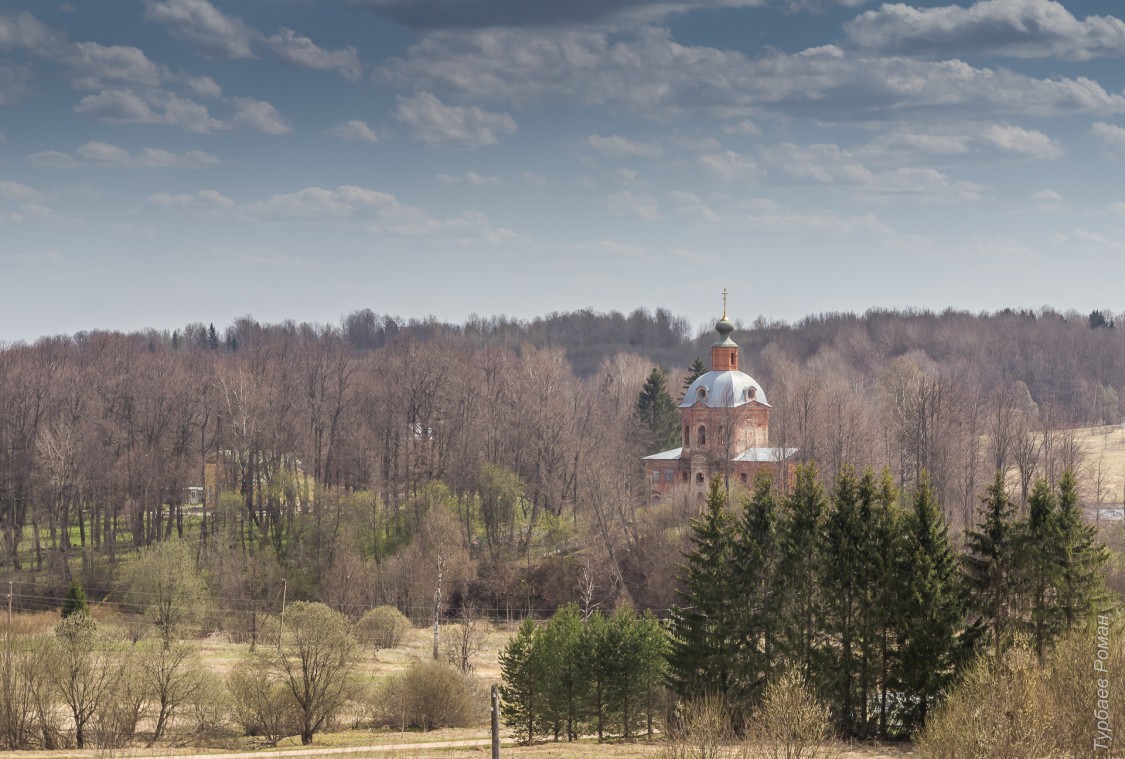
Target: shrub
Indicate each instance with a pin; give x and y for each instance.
(382, 627)
(75, 600)
(790, 723)
(263, 705)
(432, 694)
(701, 730)
(998, 710)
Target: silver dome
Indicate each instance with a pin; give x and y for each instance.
(724, 390)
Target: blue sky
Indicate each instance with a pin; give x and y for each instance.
(170, 161)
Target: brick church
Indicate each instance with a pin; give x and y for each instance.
(725, 424)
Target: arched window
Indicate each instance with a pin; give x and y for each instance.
(687, 435)
(701, 437)
(742, 477)
(699, 478)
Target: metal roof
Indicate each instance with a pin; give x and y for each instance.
(724, 390)
(765, 454)
(671, 455)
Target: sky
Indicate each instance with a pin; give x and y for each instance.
(172, 161)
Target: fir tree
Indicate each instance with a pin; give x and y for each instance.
(990, 566)
(754, 572)
(522, 675)
(1039, 545)
(598, 651)
(75, 600)
(933, 611)
(844, 581)
(660, 422)
(212, 338)
(801, 623)
(694, 372)
(882, 600)
(564, 685)
(702, 628)
(1081, 581)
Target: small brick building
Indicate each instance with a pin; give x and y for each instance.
(725, 425)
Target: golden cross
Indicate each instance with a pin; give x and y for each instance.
(724, 302)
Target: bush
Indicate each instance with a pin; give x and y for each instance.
(432, 694)
(701, 730)
(790, 723)
(75, 600)
(999, 711)
(263, 705)
(1026, 708)
(382, 627)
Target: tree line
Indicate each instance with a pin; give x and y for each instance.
(865, 596)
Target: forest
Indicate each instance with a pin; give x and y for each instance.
(490, 472)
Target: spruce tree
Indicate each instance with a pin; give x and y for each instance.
(522, 675)
(660, 421)
(212, 338)
(883, 597)
(754, 574)
(564, 683)
(75, 600)
(703, 625)
(800, 635)
(694, 372)
(598, 653)
(933, 610)
(845, 583)
(1039, 545)
(1081, 580)
(991, 568)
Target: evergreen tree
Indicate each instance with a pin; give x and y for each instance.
(845, 583)
(564, 685)
(801, 625)
(1081, 581)
(882, 599)
(660, 421)
(522, 675)
(651, 642)
(694, 372)
(212, 337)
(75, 600)
(754, 573)
(933, 610)
(598, 647)
(1039, 545)
(990, 566)
(703, 627)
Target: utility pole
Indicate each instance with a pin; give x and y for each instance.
(9, 609)
(281, 624)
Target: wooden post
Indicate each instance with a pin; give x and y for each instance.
(495, 722)
(10, 608)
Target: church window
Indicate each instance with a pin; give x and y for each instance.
(742, 477)
(699, 478)
(655, 476)
(685, 476)
(687, 435)
(701, 393)
(701, 438)
(669, 476)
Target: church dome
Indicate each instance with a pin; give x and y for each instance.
(724, 390)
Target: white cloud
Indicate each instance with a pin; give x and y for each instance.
(257, 115)
(825, 163)
(22, 30)
(1112, 138)
(210, 202)
(690, 204)
(1046, 196)
(817, 224)
(103, 155)
(18, 193)
(650, 74)
(299, 50)
(1028, 142)
(471, 178)
(1016, 28)
(745, 127)
(439, 124)
(1088, 240)
(627, 205)
(198, 21)
(355, 130)
(622, 147)
(729, 165)
(534, 178)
